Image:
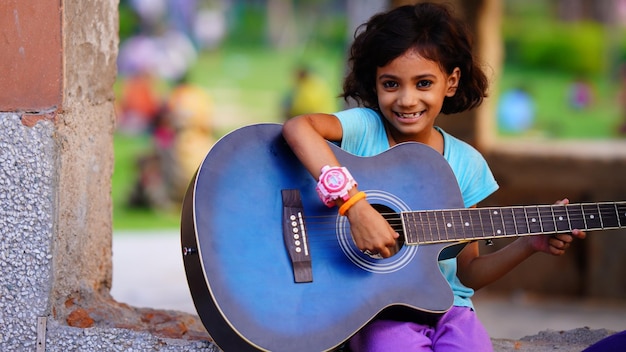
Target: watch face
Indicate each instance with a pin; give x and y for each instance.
(335, 180)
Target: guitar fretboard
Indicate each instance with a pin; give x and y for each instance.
(437, 226)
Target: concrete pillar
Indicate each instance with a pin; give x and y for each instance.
(57, 118)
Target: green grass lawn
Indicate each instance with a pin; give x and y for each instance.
(247, 85)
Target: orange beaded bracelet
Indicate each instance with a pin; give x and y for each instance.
(350, 202)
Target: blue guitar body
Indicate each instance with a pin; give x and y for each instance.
(239, 268)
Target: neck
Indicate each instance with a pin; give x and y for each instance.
(431, 137)
(436, 226)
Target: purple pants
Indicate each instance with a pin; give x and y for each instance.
(613, 343)
(457, 330)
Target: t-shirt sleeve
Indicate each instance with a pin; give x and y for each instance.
(363, 134)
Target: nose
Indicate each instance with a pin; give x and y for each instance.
(407, 97)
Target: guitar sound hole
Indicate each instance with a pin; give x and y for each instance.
(395, 221)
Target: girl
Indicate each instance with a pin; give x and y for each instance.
(406, 67)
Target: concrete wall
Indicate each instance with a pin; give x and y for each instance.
(56, 155)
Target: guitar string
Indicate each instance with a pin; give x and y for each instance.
(395, 217)
(540, 218)
(329, 224)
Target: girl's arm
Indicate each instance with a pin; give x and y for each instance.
(307, 136)
(477, 271)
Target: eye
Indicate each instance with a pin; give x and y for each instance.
(390, 84)
(424, 83)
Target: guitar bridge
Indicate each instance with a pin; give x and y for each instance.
(295, 236)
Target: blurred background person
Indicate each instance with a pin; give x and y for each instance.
(310, 93)
(182, 135)
(189, 115)
(139, 103)
(580, 94)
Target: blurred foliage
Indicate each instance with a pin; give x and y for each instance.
(128, 21)
(535, 38)
(316, 23)
(580, 48)
(546, 56)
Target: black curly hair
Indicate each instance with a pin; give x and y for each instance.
(434, 33)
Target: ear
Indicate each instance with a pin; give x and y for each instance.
(453, 82)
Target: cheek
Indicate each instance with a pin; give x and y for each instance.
(384, 99)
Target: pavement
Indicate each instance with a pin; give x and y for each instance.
(148, 272)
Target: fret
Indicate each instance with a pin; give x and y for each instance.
(591, 217)
(423, 227)
(442, 224)
(455, 225)
(508, 219)
(497, 221)
(608, 215)
(468, 229)
(424, 234)
(433, 230)
(521, 221)
(410, 223)
(621, 210)
(487, 222)
(476, 224)
(575, 215)
(534, 220)
(560, 218)
(547, 219)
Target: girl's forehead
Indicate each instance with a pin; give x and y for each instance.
(412, 61)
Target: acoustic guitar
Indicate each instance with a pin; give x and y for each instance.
(271, 268)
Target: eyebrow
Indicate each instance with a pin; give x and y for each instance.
(418, 77)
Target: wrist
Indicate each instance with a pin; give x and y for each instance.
(528, 245)
(348, 204)
(335, 185)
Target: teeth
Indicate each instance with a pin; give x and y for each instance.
(409, 116)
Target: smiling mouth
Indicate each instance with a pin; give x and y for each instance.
(409, 116)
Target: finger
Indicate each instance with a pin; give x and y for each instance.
(563, 201)
(579, 233)
(558, 243)
(385, 252)
(556, 251)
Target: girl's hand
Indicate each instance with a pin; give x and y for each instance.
(556, 244)
(370, 230)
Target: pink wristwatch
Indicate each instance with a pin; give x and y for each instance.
(334, 183)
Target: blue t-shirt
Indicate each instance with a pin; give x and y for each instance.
(364, 135)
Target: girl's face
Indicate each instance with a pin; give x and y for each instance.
(410, 92)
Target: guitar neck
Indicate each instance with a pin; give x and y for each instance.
(438, 226)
